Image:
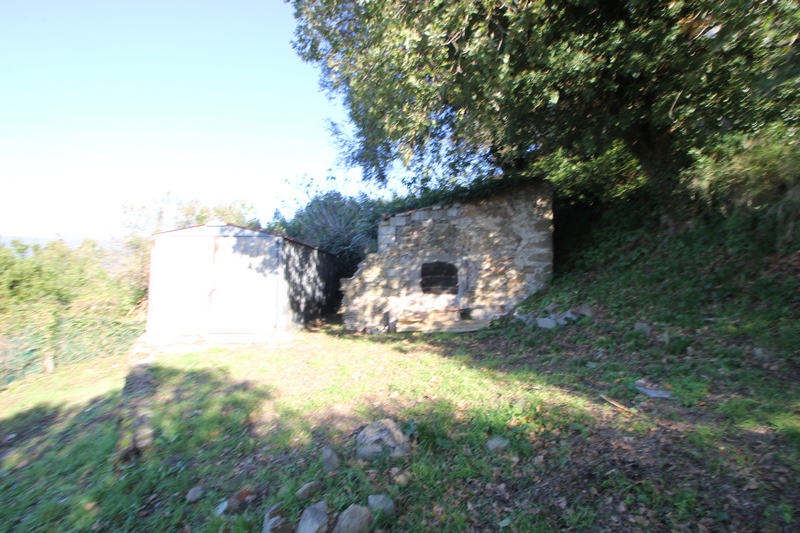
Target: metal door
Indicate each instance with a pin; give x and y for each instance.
(244, 296)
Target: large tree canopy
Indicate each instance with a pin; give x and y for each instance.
(481, 87)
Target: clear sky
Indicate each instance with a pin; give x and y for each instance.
(110, 103)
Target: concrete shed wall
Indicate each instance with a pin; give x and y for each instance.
(227, 280)
(311, 284)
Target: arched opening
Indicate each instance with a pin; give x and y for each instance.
(439, 278)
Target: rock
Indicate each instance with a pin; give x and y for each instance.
(649, 390)
(330, 461)
(761, 354)
(570, 316)
(585, 310)
(551, 307)
(194, 494)
(523, 316)
(642, 328)
(381, 505)
(221, 508)
(400, 477)
(314, 519)
(275, 522)
(308, 490)
(355, 519)
(565, 318)
(546, 323)
(382, 437)
(496, 444)
(653, 393)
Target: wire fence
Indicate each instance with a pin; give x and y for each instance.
(62, 340)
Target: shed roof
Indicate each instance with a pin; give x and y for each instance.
(216, 228)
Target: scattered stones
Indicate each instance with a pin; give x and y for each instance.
(330, 461)
(382, 437)
(275, 522)
(546, 323)
(381, 505)
(497, 444)
(355, 519)
(400, 477)
(194, 494)
(642, 328)
(308, 490)
(314, 519)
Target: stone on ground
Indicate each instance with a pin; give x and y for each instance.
(400, 477)
(642, 328)
(275, 522)
(308, 490)
(496, 444)
(585, 310)
(380, 438)
(194, 494)
(314, 519)
(330, 461)
(355, 519)
(546, 323)
(381, 505)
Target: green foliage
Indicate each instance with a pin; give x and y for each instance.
(192, 212)
(61, 304)
(755, 180)
(346, 226)
(469, 88)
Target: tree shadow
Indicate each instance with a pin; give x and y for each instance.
(61, 467)
(566, 462)
(642, 455)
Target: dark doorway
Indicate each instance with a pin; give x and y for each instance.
(439, 278)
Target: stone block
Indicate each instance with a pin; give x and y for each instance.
(398, 220)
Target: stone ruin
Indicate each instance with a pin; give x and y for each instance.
(455, 267)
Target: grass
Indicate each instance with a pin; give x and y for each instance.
(587, 452)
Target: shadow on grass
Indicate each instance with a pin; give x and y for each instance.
(60, 471)
(659, 464)
(568, 465)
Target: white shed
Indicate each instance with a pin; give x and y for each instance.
(224, 280)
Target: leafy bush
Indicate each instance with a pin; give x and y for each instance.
(754, 180)
(59, 304)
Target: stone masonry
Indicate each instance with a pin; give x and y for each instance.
(454, 267)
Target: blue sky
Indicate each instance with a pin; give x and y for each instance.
(109, 103)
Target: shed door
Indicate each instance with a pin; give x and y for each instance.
(244, 297)
(179, 285)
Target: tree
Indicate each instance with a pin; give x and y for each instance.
(239, 212)
(341, 225)
(481, 88)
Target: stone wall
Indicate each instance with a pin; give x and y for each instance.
(500, 246)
